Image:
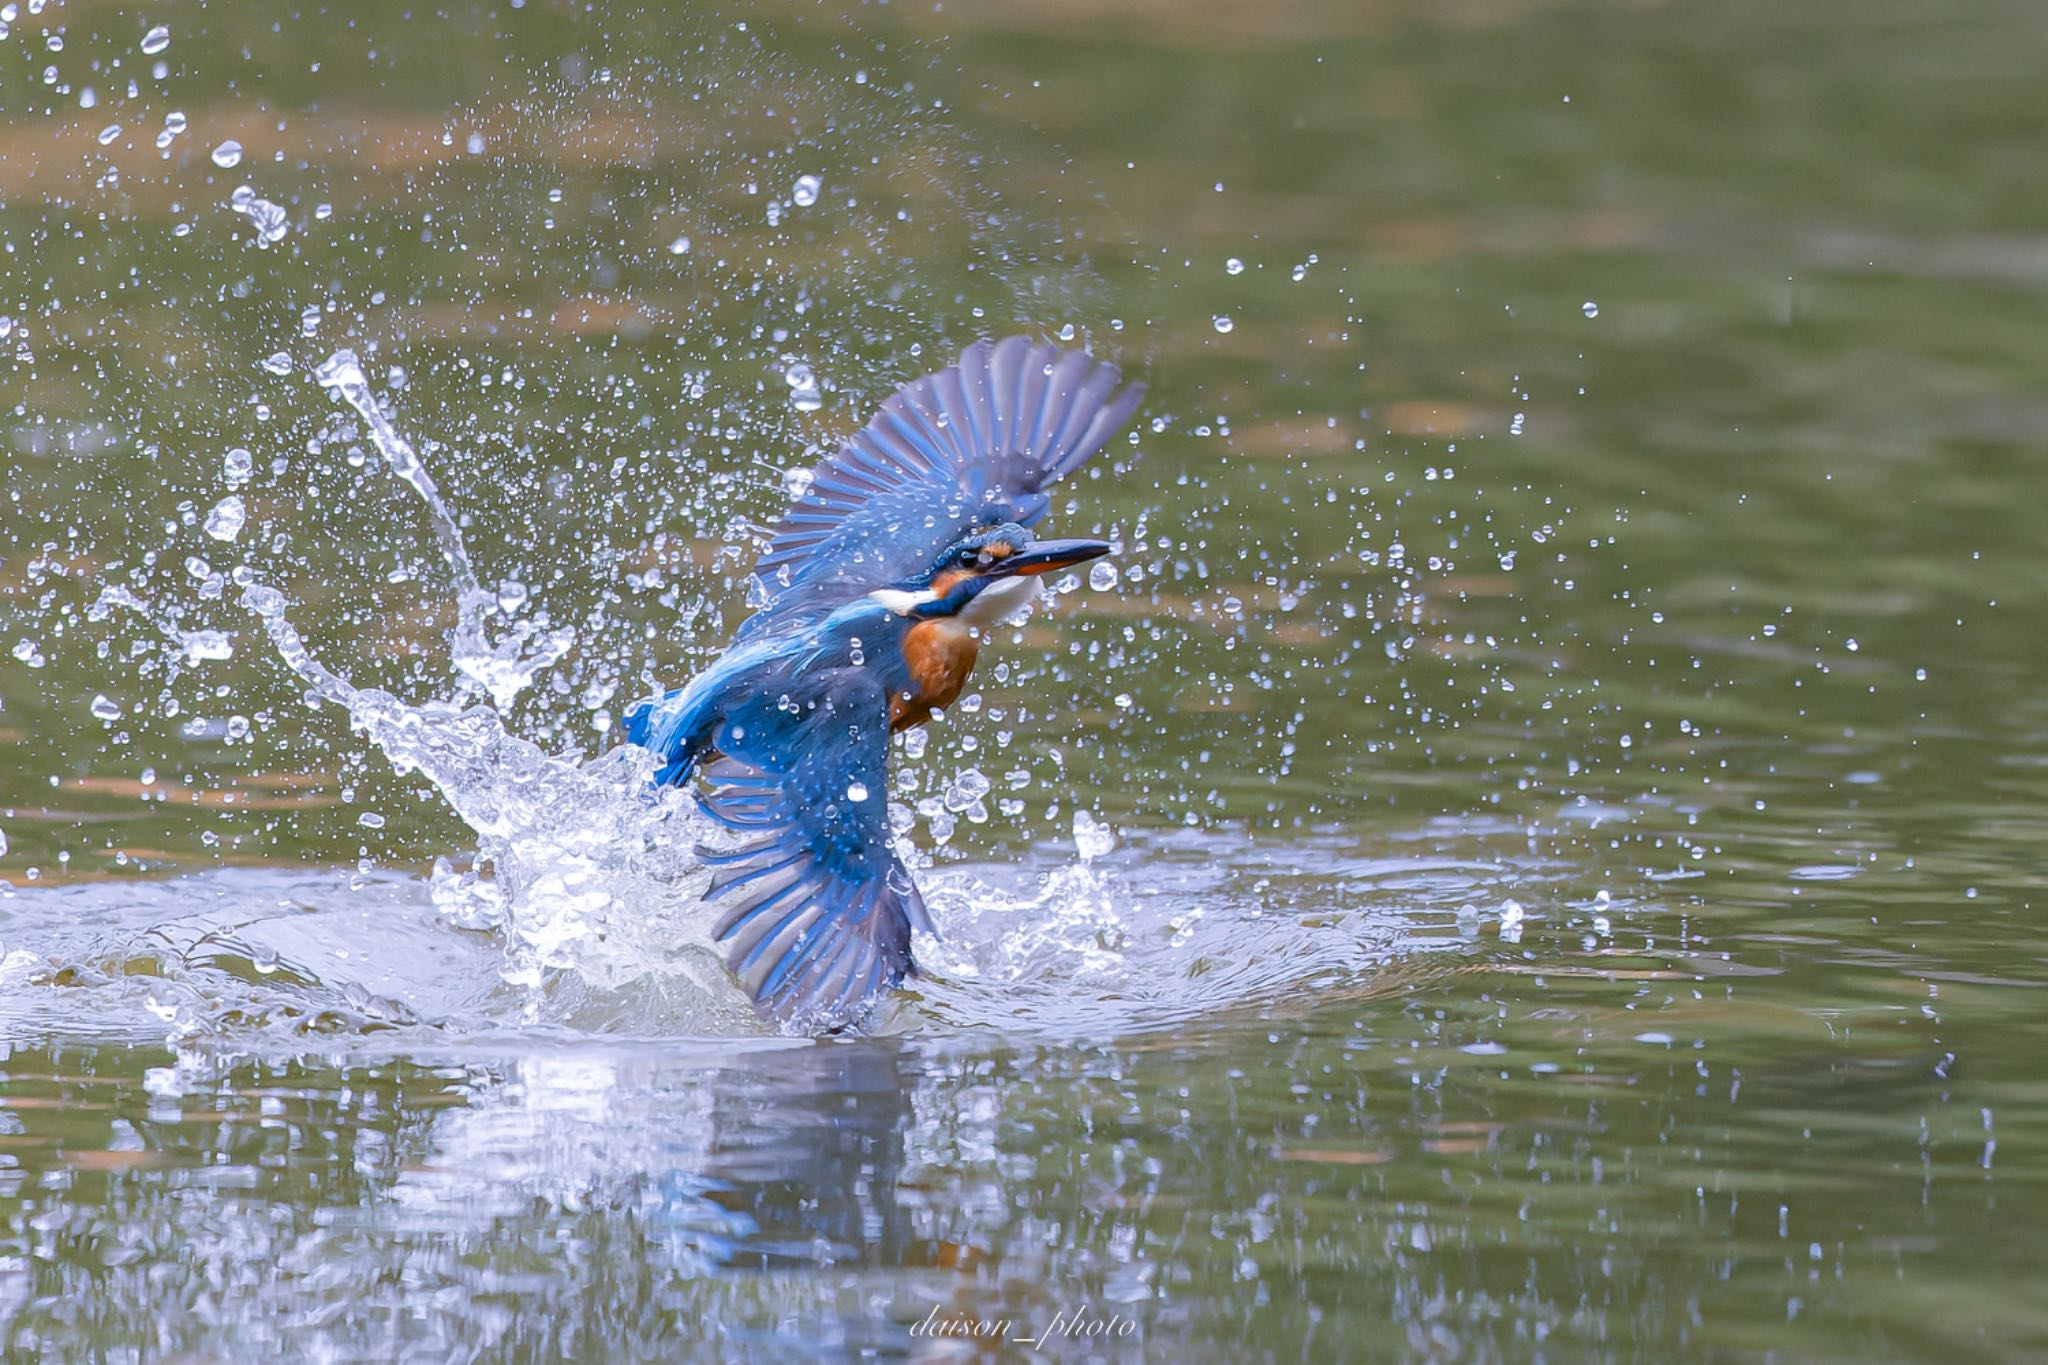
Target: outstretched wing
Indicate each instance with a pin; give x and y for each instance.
(819, 909)
(975, 444)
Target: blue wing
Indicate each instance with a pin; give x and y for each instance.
(819, 909)
(975, 444)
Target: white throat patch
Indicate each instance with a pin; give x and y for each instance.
(901, 602)
(1000, 601)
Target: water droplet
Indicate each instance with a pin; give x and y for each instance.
(236, 466)
(106, 708)
(1103, 576)
(680, 246)
(369, 819)
(264, 600)
(228, 154)
(1853, 646)
(174, 123)
(1590, 308)
(856, 791)
(269, 220)
(803, 387)
(1233, 266)
(225, 521)
(511, 595)
(1092, 838)
(966, 791)
(109, 133)
(1300, 273)
(201, 645)
(1223, 323)
(278, 363)
(157, 39)
(805, 192)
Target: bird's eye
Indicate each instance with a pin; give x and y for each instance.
(968, 556)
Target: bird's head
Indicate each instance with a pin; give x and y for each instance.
(986, 575)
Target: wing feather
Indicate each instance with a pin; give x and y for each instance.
(817, 909)
(975, 444)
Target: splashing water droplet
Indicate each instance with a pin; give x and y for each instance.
(679, 247)
(1103, 576)
(157, 39)
(1092, 838)
(269, 220)
(803, 388)
(278, 363)
(106, 708)
(1223, 323)
(228, 154)
(805, 192)
(201, 645)
(225, 521)
(264, 600)
(1590, 309)
(1233, 266)
(236, 467)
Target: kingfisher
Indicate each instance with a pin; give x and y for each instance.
(877, 590)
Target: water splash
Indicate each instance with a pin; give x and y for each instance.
(503, 668)
(590, 879)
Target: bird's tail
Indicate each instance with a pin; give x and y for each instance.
(672, 730)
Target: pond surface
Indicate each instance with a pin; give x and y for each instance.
(1531, 856)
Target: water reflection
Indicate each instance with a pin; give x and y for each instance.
(1660, 1166)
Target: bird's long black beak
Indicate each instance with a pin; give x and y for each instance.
(1044, 556)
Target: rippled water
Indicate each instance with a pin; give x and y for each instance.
(1531, 854)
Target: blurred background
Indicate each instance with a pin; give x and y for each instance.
(1578, 561)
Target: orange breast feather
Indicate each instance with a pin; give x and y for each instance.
(940, 655)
